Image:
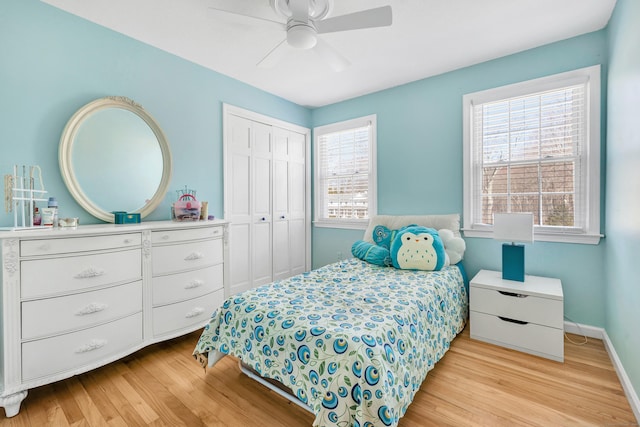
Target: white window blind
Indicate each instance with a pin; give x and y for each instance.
(345, 173)
(534, 152)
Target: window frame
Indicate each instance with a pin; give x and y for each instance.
(358, 224)
(590, 176)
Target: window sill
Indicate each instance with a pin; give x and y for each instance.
(343, 224)
(585, 239)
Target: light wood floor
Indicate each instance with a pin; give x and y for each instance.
(475, 384)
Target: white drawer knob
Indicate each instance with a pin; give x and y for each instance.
(194, 256)
(89, 272)
(94, 344)
(94, 307)
(195, 312)
(165, 237)
(194, 284)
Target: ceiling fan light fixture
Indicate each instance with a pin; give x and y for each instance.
(302, 36)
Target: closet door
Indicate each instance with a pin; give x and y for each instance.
(261, 154)
(289, 203)
(297, 203)
(281, 202)
(238, 201)
(266, 185)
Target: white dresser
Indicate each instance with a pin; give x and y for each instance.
(526, 316)
(76, 299)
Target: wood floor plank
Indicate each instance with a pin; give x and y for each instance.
(475, 384)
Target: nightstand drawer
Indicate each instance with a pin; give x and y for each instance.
(530, 337)
(518, 306)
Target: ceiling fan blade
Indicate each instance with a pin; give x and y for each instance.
(377, 17)
(331, 56)
(214, 12)
(299, 10)
(274, 56)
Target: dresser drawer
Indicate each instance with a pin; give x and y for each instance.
(191, 284)
(531, 338)
(55, 276)
(78, 244)
(73, 351)
(191, 313)
(513, 305)
(187, 235)
(53, 316)
(186, 256)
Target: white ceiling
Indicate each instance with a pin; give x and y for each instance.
(427, 37)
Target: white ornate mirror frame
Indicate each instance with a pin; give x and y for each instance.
(69, 138)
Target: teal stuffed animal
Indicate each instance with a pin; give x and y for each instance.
(417, 248)
(371, 253)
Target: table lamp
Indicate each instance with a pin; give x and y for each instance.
(514, 228)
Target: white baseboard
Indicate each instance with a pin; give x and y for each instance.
(601, 334)
(584, 330)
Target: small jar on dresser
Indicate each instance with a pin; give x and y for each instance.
(526, 316)
(74, 299)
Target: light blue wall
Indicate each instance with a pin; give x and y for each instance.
(420, 164)
(52, 63)
(623, 187)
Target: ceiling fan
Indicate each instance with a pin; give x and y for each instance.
(306, 19)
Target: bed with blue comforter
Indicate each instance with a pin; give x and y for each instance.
(352, 340)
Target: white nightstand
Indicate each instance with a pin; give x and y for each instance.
(526, 316)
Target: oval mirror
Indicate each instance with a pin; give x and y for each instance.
(114, 157)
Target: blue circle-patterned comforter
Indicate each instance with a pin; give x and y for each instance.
(352, 340)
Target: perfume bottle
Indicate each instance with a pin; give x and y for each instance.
(37, 218)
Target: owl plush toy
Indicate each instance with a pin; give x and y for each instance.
(417, 248)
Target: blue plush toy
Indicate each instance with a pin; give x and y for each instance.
(371, 253)
(382, 236)
(417, 248)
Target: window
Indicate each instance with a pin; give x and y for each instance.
(535, 147)
(345, 173)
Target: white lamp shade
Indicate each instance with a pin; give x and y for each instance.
(513, 227)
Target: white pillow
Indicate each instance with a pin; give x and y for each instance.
(454, 246)
(448, 227)
(395, 222)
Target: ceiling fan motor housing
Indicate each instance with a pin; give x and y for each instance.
(301, 36)
(318, 9)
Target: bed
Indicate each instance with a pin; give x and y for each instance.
(353, 341)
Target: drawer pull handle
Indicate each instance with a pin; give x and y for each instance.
(194, 313)
(89, 273)
(193, 256)
(44, 247)
(513, 294)
(127, 241)
(165, 237)
(517, 322)
(94, 307)
(194, 284)
(94, 344)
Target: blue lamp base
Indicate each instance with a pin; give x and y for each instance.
(513, 262)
